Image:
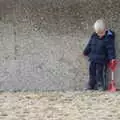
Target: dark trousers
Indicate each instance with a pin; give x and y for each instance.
(97, 75)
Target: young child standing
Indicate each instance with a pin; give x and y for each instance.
(101, 51)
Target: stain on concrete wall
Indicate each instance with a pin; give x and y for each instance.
(41, 42)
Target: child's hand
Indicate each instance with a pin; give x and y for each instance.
(112, 64)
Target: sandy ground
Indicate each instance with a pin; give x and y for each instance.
(59, 106)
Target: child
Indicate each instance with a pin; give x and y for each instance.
(101, 51)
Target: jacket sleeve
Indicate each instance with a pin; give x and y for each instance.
(87, 49)
(110, 46)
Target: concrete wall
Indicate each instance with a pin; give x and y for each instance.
(41, 41)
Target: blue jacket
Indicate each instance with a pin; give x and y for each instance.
(101, 50)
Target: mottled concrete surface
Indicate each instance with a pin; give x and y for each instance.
(41, 41)
(59, 106)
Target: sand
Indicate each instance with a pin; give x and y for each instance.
(84, 105)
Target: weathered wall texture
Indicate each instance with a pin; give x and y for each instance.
(41, 41)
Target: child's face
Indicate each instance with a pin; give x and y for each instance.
(101, 33)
